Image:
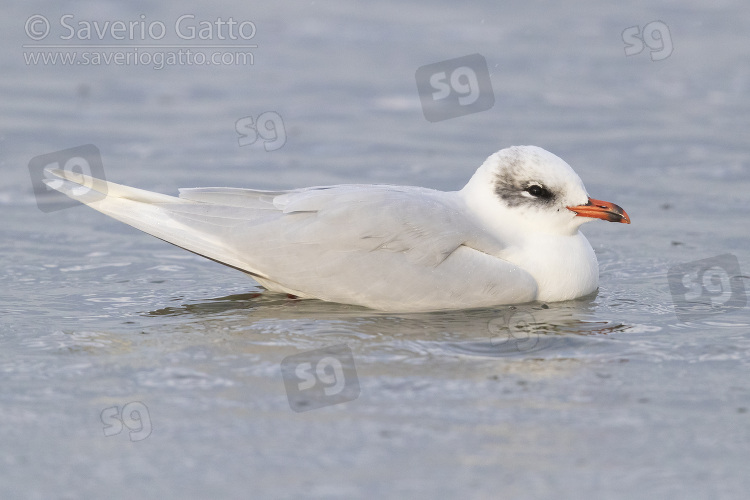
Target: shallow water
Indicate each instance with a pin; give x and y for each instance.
(131, 368)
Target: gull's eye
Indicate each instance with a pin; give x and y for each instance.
(538, 192)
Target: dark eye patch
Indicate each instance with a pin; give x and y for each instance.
(512, 185)
(515, 192)
(538, 191)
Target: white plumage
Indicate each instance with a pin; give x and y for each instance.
(510, 236)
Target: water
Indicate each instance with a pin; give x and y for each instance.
(610, 395)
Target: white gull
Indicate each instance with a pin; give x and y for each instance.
(511, 235)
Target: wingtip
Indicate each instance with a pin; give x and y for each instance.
(58, 172)
(76, 177)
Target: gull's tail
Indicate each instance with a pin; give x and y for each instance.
(199, 227)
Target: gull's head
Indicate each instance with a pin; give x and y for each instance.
(534, 190)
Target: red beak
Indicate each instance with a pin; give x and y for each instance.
(604, 210)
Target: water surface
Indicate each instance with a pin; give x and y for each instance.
(607, 396)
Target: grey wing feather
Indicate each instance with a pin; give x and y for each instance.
(379, 218)
(385, 247)
(232, 197)
(348, 217)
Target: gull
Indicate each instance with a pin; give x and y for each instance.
(510, 236)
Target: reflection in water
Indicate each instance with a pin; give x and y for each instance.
(239, 301)
(521, 330)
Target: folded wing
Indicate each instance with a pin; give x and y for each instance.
(385, 247)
